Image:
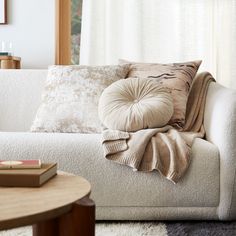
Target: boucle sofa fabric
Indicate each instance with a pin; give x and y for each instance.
(20, 97)
(70, 98)
(207, 181)
(177, 77)
(157, 213)
(74, 153)
(134, 104)
(220, 126)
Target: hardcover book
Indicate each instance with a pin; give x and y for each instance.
(27, 177)
(5, 54)
(20, 164)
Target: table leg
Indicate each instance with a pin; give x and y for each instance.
(46, 228)
(80, 221)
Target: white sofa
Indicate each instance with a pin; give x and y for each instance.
(207, 191)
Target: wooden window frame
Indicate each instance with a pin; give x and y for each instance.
(63, 32)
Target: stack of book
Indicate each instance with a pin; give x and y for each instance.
(26, 173)
(5, 54)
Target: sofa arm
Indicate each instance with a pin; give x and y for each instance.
(220, 126)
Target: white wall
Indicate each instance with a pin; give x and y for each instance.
(31, 29)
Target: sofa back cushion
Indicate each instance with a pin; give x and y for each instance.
(177, 77)
(71, 95)
(20, 96)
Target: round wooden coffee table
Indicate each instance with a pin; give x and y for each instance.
(61, 207)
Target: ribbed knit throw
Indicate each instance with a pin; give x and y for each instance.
(164, 149)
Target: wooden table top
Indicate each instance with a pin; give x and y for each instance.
(26, 206)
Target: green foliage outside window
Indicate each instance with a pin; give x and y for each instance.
(76, 14)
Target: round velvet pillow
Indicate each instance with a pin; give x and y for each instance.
(133, 104)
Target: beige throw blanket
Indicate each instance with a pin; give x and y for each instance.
(165, 149)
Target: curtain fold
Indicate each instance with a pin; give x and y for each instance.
(162, 31)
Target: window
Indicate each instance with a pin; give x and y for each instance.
(68, 27)
(76, 13)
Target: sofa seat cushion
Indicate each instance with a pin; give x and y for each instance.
(116, 185)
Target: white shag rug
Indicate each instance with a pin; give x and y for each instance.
(196, 228)
(108, 229)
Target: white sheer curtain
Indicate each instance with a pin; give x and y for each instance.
(162, 31)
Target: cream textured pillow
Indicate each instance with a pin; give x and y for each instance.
(70, 98)
(177, 77)
(134, 104)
